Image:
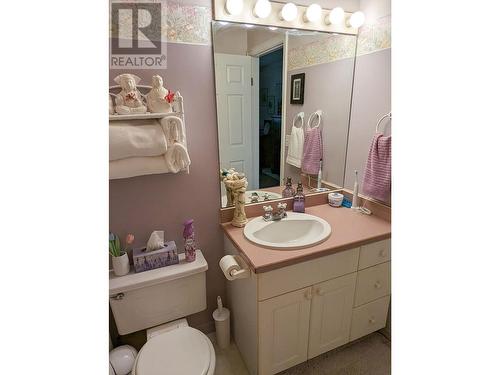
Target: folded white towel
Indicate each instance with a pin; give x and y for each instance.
(172, 157)
(128, 140)
(177, 157)
(131, 167)
(296, 142)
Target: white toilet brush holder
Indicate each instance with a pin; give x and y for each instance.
(222, 325)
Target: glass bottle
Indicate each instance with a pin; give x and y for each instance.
(288, 191)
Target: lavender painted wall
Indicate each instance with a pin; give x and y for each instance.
(142, 204)
(371, 99)
(327, 87)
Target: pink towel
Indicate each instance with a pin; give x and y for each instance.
(377, 179)
(313, 151)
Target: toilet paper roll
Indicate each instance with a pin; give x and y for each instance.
(228, 264)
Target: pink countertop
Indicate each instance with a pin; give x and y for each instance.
(349, 229)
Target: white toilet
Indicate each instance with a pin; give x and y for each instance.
(152, 298)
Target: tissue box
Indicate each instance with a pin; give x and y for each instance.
(145, 261)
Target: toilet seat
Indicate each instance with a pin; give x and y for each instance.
(184, 350)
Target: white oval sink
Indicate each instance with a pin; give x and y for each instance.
(296, 231)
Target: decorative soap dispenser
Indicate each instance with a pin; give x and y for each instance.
(189, 242)
(299, 199)
(288, 191)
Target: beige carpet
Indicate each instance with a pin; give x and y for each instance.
(370, 355)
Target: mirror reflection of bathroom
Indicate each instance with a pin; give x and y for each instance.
(274, 85)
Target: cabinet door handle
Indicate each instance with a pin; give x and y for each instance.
(371, 320)
(383, 252)
(377, 285)
(308, 294)
(320, 292)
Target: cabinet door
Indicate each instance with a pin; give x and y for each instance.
(331, 312)
(284, 331)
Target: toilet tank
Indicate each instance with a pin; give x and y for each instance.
(146, 299)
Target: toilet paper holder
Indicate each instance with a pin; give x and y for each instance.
(238, 270)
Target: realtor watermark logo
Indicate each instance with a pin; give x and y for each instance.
(136, 36)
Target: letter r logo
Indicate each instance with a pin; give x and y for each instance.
(136, 28)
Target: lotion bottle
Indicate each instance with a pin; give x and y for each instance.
(299, 200)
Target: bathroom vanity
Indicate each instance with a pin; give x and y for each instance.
(298, 304)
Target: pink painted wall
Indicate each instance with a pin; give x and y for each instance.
(142, 204)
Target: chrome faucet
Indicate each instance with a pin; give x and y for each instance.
(269, 215)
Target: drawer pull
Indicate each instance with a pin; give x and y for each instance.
(118, 297)
(320, 292)
(377, 285)
(371, 320)
(383, 253)
(308, 294)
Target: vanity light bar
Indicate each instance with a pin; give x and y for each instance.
(288, 15)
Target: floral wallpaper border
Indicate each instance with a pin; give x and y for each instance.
(371, 38)
(189, 24)
(376, 37)
(327, 50)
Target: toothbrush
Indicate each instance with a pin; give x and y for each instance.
(355, 191)
(320, 173)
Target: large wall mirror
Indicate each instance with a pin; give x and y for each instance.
(274, 88)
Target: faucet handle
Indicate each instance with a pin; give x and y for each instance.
(268, 208)
(282, 206)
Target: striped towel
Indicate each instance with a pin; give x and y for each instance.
(377, 178)
(313, 151)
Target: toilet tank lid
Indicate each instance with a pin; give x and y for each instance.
(121, 284)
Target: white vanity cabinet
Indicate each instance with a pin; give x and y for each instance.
(286, 316)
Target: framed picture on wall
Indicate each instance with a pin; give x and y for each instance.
(297, 88)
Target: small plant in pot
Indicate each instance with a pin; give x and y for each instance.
(119, 257)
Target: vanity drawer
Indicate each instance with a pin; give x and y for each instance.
(369, 318)
(307, 273)
(374, 253)
(373, 283)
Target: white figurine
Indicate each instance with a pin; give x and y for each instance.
(237, 184)
(129, 99)
(159, 98)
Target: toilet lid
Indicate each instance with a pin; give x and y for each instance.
(184, 350)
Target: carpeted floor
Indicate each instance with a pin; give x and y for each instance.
(370, 355)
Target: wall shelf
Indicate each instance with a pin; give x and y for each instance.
(142, 116)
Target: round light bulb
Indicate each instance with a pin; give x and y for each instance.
(289, 12)
(262, 8)
(335, 17)
(357, 19)
(313, 13)
(234, 7)
(272, 28)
